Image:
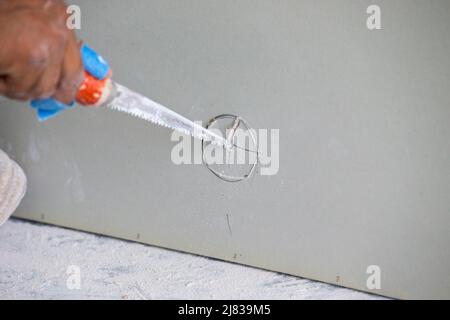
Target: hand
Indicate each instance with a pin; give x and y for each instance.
(39, 56)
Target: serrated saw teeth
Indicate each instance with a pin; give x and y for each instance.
(143, 108)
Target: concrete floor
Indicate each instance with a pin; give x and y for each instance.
(45, 262)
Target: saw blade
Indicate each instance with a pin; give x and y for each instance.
(135, 104)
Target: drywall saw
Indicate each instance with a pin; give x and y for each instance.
(99, 90)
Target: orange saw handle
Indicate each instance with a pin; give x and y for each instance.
(96, 89)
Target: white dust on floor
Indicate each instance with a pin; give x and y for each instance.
(34, 259)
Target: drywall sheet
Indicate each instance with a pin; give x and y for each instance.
(364, 153)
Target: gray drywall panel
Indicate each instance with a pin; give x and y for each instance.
(364, 138)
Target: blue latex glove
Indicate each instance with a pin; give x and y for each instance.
(93, 63)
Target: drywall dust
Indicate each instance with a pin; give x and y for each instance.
(39, 256)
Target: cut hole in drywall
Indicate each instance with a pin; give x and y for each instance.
(238, 163)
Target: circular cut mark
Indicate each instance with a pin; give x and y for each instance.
(238, 163)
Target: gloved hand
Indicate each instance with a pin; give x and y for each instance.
(93, 63)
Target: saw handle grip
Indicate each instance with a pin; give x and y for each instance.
(96, 76)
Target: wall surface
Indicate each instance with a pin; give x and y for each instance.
(364, 138)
